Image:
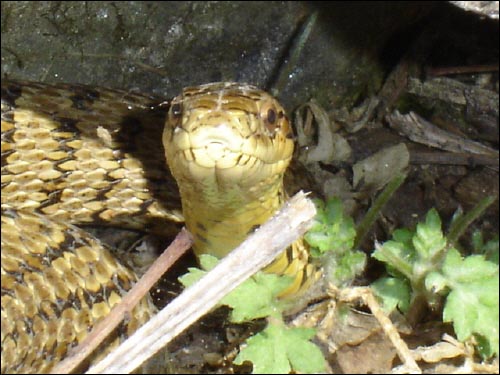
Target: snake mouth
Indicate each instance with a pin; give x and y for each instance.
(215, 159)
(218, 146)
(208, 146)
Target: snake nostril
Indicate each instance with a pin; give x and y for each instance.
(176, 110)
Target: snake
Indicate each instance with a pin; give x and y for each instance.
(212, 158)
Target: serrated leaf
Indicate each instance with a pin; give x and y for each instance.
(472, 268)
(465, 307)
(471, 283)
(348, 267)
(391, 250)
(393, 292)
(396, 255)
(304, 356)
(472, 304)
(429, 239)
(207, 262)
(279, 350)
(256, 297)
(319, 238)
(192, 276)
(331, 230)
(403, 236)
(265, 352)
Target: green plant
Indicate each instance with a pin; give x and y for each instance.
(421, 263)
(424, 263)
(331, 239)
(277, 349)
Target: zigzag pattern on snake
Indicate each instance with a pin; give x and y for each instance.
(73, 154)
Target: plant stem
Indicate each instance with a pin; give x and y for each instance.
(375, 208)
(459, 226)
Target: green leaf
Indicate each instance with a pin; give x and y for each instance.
(435, 269)
(304, 356)
(395, 293)
(207, 262)
(280, 350)
(484, 348)
(348, 267)
(472, 304)
(256, 297)
(435, 282)
(331, 230)
(396, 255)
(332, 238)
(404, 236)
(472, 268)
(429, 239)
(468, 308)
(489, 249)
(192, 276)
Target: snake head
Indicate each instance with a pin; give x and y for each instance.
(227, 145)
(230, 132)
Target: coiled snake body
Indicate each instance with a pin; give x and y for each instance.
(72, 154)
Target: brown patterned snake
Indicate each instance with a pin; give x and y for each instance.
(72, 154)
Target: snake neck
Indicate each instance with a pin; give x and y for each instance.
(221, 218)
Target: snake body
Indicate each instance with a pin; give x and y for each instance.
(73, 154)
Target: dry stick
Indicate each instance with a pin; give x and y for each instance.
(366, 295)
(452, 158)
(447, 70)
(257, 251)
(421, 131)
(178, 247)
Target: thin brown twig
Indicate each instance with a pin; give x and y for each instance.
(366, 295)
(452, 158)
(173, 252)
(449, 70)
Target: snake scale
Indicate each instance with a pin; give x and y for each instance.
(74, 154)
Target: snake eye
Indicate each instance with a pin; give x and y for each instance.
(270, 117)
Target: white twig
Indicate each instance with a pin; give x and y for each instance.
(256, 252)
